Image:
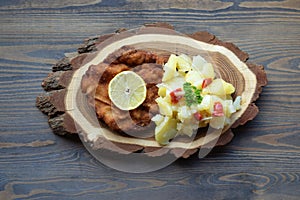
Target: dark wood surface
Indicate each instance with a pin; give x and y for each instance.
(262, 161)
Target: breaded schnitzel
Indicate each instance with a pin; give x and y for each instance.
(95, 85)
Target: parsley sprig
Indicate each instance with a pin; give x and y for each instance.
(192, 94)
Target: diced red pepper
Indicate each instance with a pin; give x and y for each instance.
(218, 110)
(198, 116)
(206, 82)
(176, 95)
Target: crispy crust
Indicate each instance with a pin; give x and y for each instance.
(95, 85)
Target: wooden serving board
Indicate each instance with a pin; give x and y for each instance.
(70, 113)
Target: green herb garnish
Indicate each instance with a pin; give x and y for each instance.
(192, 95)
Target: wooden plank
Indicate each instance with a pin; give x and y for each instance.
(262, 161)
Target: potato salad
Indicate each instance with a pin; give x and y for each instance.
(191, 97)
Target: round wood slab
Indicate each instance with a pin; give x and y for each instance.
(70, 112)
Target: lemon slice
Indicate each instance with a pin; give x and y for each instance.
(127, 90)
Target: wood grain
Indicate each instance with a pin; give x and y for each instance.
(262, 162)
(248, 80)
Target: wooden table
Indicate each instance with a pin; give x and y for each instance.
(262, 161)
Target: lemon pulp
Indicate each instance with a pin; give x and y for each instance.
(127, 90)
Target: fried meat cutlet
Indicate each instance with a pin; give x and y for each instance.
(96, 80)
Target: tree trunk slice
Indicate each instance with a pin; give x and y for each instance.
(69, 112)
